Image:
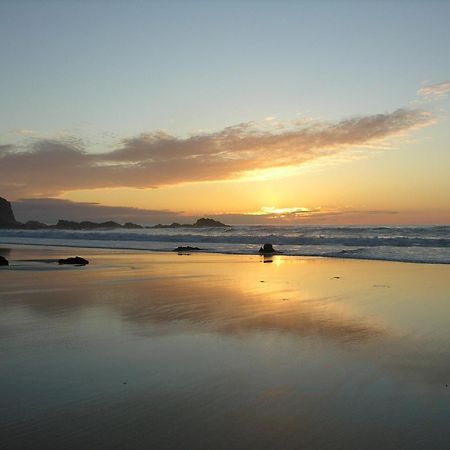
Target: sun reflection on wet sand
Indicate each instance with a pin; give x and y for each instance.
(235, 352)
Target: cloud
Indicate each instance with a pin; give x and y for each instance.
(275, 213)
(151, 160)
(303, 214)
(435, 91)
(50, 210)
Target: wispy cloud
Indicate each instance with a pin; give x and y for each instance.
(435, 91)
(49, 167)
(276, 213)
(50, 210)
(304, 213)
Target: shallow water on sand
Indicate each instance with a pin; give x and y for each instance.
(220, 351)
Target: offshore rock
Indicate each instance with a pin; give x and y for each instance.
(34, 225)
(85, 225)
(7, 219)
(132, 226)
(201, 223)
(205, 222)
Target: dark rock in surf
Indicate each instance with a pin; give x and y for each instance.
(77, 261)
(3, 261)
(267, 249)
(187, 249)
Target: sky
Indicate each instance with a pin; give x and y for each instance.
(332, 112)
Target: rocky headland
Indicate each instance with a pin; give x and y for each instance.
(7, 220)
(201, 223)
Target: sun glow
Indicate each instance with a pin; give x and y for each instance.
(282, 212)
(274, 173)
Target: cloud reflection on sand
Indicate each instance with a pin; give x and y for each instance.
(161, 294)
(223, 351)
(157, 295)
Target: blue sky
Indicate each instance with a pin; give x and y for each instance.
(124, 67)
(93, 73)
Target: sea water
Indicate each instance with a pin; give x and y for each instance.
(424, 244)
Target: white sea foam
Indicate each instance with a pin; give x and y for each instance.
(426, 244)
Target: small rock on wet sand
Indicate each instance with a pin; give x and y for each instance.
(77, 261)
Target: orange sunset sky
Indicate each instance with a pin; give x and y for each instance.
(297, 112)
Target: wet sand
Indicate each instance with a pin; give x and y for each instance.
(144, 350)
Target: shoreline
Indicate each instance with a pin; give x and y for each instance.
(218, 252)
(215, 339)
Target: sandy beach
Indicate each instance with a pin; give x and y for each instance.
(207, 351)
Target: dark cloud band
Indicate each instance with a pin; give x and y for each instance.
(49, 167)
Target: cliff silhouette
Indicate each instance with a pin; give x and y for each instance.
(7, 220)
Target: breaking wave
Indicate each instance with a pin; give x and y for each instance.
(429, 244)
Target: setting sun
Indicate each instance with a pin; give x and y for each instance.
(224, 224)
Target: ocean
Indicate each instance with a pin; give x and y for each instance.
(419, 244)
